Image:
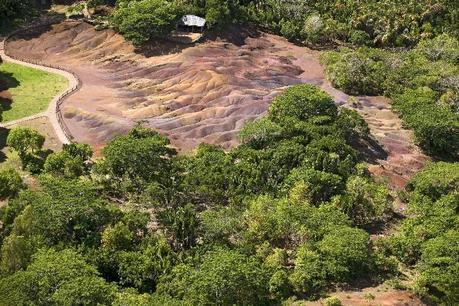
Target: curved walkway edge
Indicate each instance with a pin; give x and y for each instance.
(52, 112)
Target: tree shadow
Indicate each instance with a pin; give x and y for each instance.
(369, 149)
(159, 47)
(7, 81)
(5, 103)
(235, 35)
(3, 135)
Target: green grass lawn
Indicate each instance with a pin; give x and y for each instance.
(31, 90)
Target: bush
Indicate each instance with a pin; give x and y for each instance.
(357, 72)
(435, 180)
(313, 29)
(224, 277)
(332, 301)
(442, 47)
(218, 13)
(27, 143)
(425, 92)
(302, 102)
(364, 201)
(439, 268)
(140, 21)
(10, 183)
(428, 240)
(436, 128)
(317, 186)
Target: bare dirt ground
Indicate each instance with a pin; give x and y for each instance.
(378, 296)
(199, 93)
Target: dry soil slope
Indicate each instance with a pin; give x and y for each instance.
(197, 94)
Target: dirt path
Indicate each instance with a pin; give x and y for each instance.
(51, 111)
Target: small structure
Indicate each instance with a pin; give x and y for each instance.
(191, 23)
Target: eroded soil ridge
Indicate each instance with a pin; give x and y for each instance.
(202, 93)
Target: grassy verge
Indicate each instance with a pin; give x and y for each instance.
(31, 90)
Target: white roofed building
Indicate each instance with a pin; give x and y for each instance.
(191, 23)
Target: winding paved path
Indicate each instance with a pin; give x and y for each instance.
(51, 112)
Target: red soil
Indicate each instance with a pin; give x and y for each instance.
(202, 93)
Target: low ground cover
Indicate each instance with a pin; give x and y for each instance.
(31, 90)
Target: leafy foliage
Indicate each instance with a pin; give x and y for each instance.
(281, 215)
(10, 183)
(56, 278)
(429, 238)
(140, 21)
(422, 83)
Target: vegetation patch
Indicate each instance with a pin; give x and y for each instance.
(423, 84)
(31, 90)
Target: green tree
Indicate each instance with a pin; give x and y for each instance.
(25, 140)
(224, 277)
(309, 275)
(218, 13)
(11, 10)
(27, 143)
(71, 162)
(140, 21)
(65, 212)
(10, 183)
(439, 268)
(131, 162)
(364, 201)
(347, 253)
(301, 102)
(316, 186)
(56, 278)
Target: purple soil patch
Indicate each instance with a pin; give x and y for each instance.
(194, 94)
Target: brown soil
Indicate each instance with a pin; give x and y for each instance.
(200, 93)
(378, 296)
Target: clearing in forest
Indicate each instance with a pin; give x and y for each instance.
(26, 91)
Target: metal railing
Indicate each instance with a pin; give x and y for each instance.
(62, 96)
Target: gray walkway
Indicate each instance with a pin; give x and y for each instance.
(51, 112)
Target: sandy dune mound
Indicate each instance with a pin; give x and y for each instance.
(202, 93)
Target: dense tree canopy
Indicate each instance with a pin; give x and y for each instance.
(291, 213)
(429, 238)
(275, 217)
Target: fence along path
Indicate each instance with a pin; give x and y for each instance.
(53, 113)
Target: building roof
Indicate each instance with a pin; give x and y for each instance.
(192, 21)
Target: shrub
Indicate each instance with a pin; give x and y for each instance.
(224, 277)
(140, 21)
(439, 268)
(436, 128)
(317, 186)
(442, 47)
(332, 301)
(364, 201)
(313, 29)
(357, 72)
(302, 102)
(10, 183)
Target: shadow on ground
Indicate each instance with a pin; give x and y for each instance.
(7, 81)
(235, 35)
(3, 135)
